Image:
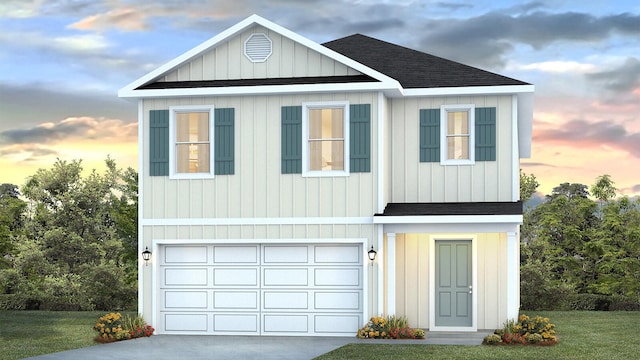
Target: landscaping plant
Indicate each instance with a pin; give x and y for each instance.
(538, 330)
(114, 327)
(391, 327)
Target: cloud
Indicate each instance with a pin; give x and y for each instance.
(453, 6)
(581, 133)
(488, 38)
(560, 67)
(27, 152)
(127, 19)
(72, 129)
(624, 78)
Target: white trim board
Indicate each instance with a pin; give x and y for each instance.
(259, 221)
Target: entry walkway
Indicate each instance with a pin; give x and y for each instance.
(192, 347)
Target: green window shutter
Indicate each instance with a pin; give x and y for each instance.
(360, 138)
(159, 143)
(291, 140)
(224, 141)
(429, 135)
(485, 129)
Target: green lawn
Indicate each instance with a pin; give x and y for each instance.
(582, 335)
(30, 333)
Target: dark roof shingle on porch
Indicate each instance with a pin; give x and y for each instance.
(464, 208)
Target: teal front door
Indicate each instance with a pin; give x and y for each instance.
(453, 283)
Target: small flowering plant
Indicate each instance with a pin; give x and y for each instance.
(527, 331)
(114, 327)
(390, 327)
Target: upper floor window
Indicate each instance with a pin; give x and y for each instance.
(325, 133)
(457, 134)
(191, 137)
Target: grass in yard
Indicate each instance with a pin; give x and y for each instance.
(31, 333)
(582, 335)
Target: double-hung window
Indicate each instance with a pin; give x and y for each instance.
(325, 132)
(457, 134)
(191, 137)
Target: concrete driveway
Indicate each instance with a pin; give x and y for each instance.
(192, 347)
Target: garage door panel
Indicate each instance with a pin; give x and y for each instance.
(285, 323)
(347, 324)
(285, 254)
(235, 277)
(186, 299)
(279, 300)
(176, 276)
(235, 254)
(286, 277)
(185, 255)
(224, 300)
(236, 323)
(337, 254)
(337, 300)
(337, 277)
(186, 322)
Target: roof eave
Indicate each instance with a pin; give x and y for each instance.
(386, 87)
(470, 90)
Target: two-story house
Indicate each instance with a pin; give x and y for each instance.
(271, 166)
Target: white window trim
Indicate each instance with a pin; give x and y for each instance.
(444, 110)
(305, 138)
(173, 110)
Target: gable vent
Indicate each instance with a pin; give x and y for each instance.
(257, 48)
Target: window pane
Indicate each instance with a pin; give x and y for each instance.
(192, 127)
(457, 123)
(326, 155)
(458, 147)
(326, 123)
(192, 158)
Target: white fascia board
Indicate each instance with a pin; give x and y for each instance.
(525, 124)
(259, 221)
(130, 89)
(448, 219)
(257, 90)
(470, 90)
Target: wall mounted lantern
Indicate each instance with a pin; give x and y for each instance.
(146, 255)
(372, 254)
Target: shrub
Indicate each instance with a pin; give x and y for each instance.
(114, 327)
(526, 330)
(492, 339)
(623, 303)
(590, 302)
(391, 327)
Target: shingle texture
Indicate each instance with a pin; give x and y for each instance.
(412, 68)
(466, 208)
(257, 82)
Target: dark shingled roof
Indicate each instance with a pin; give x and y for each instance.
(466, 208)
(412, 68)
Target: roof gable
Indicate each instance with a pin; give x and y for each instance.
(412, 68)
(193, 78)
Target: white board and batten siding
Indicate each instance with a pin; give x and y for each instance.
(260, 289)
(258, 189)
(288, 59)
(414, 181)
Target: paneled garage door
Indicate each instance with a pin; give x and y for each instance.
(260, 289)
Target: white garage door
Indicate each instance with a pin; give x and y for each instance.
(260, 289)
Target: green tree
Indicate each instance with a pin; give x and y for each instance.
(604, 189)
(528, 185)
(11, 218)
(77, 230)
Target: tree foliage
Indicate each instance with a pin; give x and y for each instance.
(528, 185)
(73, 248)
(571, 246)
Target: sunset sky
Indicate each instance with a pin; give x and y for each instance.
(62, 62)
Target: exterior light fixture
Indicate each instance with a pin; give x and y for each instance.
(146, 255)
(372, 254)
